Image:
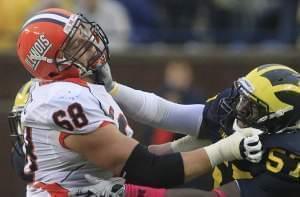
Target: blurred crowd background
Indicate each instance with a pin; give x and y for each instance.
(183, 50)
(234, 23)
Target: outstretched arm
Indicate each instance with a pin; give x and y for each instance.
(183, 144)
(109, 149)
(151, 109)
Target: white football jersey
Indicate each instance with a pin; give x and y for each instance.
(54, 111)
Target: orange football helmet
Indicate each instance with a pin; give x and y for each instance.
(57, 44)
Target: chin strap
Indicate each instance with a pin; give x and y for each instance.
(290, 129)
(50, 60)
(276, 114)
(42, 58)
(83, 71)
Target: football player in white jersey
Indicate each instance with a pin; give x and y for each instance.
(74, 127)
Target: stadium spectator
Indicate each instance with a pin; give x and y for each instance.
(44, 4)
(275, 22)
(145, 20)
(178, 20)
(113, 18)
(12, 14)
(269, 22)
(177, 87)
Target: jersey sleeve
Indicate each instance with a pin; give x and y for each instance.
(158, 112)
(78, 112)
(266, 185)
(213, 115)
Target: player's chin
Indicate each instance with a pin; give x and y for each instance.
(241, 124)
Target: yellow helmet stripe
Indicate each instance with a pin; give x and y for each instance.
(266, 92)
(273, 67)
(286, 87)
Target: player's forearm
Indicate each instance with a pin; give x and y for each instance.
(188, 143)
(153, 110)
(161, 149)
(202, 160)
(183, 144)
(196, 163)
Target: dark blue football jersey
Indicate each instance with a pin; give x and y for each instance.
(277, 174)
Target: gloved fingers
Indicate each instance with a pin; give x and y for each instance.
(91, 179)
(79, 192)
(253, 147)
(117, 180)
(252, 139)
(255, 157)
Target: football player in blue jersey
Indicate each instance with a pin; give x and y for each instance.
(266, 100)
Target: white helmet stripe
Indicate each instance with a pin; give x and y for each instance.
(56, 17)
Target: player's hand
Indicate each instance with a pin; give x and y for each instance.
(237, 146)
(251, 149)
(113, 187)
(102, 75)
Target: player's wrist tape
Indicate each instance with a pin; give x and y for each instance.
(226, 149)
(186, 143)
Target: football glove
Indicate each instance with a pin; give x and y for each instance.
(251, 146)
(236, 146)
(113, 187)
(102, 75)
(251, 149)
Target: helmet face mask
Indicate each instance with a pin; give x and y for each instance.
(14, 117)
(249, 109)
(244, 107)
(16, 133)
(85, 45)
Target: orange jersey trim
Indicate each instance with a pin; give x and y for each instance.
(105, 123)
(62, 137)
(54, 189)
(77, 81)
